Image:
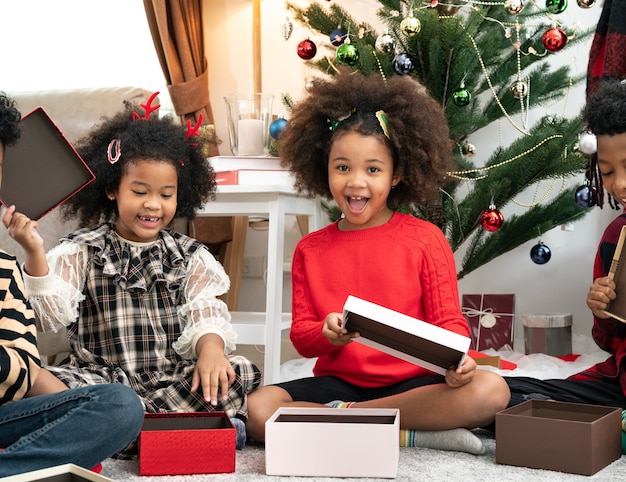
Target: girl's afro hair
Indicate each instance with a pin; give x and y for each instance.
(417, 127)
(160, 139)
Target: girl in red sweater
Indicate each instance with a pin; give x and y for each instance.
(373, 145)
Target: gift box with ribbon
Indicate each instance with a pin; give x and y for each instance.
(491, 318)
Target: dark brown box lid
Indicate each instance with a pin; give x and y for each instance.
(405, 337)
(42, 170)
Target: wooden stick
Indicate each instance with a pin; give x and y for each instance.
(256, 46)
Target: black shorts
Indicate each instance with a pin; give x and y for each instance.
(576, 391)
(327, 389)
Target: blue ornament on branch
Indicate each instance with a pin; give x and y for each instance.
(277, 126)
(540, 253)
(585, 196)
(337, 37)
(403, 64)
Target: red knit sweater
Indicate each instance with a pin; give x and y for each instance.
(405, 265)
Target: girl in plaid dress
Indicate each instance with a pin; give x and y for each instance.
(140, 302)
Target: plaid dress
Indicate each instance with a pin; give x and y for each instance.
(134, 312)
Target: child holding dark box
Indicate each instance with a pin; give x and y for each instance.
(374, 145)
(605, 382)
(71, 426)
(140, 301)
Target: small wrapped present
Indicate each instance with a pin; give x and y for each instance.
(491, 318)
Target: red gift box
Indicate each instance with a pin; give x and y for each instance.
(491, 318)
(186, 443)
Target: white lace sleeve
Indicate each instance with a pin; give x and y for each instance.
(55, 297)
(202, 311)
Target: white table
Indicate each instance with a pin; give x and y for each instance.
(274, 202)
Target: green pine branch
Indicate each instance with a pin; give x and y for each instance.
(474, 46)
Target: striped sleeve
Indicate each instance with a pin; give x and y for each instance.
(19, 357)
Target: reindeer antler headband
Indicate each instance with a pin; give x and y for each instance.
(114, 150)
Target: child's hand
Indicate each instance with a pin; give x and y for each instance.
(23, 230)
(456, 378)
(213, 371)
(335, 332)
(600, 293)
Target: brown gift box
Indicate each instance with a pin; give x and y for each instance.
(186, 443)
(569, 437)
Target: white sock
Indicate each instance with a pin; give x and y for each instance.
(457, 439)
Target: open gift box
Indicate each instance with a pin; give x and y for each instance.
(186, 443)
(60, 473)
(42, 154)
(569, 437)
(364, 442)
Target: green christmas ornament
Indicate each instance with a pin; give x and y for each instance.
(461, 96)
(556, 6)
(347, 54)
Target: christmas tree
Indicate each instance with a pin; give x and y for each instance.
(486, 63)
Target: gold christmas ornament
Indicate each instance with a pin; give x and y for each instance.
(519, 89)
(514, 7)
(468, 149)
(410, 26)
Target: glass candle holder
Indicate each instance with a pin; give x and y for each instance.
(249, 118)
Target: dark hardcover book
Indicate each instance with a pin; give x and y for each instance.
(404, 337)
(42, 169)
(617, 307)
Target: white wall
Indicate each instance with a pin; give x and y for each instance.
(559, 286)
(73, 43)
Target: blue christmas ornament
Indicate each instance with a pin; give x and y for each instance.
(337, 37)
(403, 64)
(540, 253)
(585, 196)
(277, 126)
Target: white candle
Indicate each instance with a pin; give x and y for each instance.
(250, 137)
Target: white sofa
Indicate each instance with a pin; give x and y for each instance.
(74, 111)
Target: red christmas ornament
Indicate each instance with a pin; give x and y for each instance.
(491, 219)
(554, 39)
(307, 49)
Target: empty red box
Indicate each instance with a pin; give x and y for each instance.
(186, 443)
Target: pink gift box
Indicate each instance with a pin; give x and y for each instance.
(363, 442)
(491, 318)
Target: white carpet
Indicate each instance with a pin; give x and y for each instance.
(416, 463)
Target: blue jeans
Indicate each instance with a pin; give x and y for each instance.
(82, 426)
